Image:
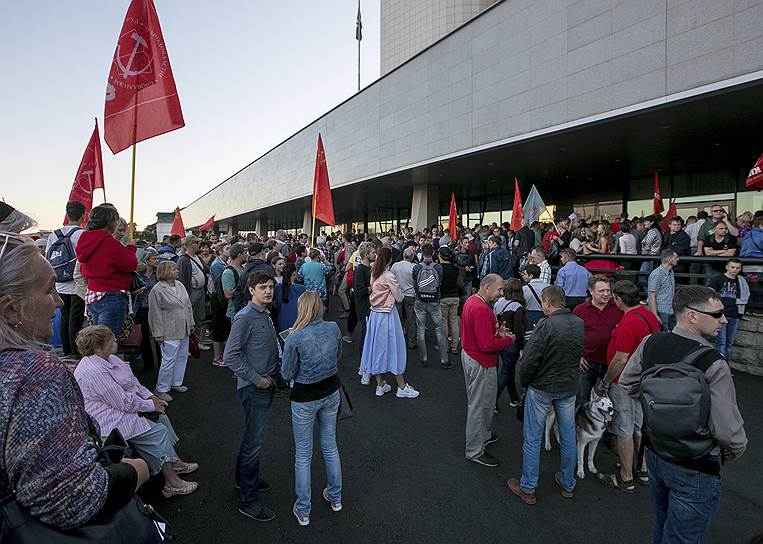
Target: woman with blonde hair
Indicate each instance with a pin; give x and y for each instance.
(310, 358)
(170, 316)
(384, 347)
(115, 398)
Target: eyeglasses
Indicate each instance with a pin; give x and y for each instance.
(717, 210)
(714, 315)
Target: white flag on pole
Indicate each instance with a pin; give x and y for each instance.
(534, 206)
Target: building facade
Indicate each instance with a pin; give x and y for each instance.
(585, 99)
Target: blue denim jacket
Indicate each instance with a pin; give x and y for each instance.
(252, 348)
(311, 353)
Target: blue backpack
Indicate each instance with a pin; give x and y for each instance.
(61, 255)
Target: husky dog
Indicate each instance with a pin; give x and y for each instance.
(591, 419)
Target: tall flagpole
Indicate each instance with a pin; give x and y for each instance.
(132, 193)
(359, 37)
(358, 65)
(104, 186)
(312, 230)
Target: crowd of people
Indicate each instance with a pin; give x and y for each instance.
(516, 307)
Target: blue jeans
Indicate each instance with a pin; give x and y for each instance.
(303, 417)
(587, 381)
(509, 358)
(668, 321)
(110, 311)
(646, 268)
(537, 404)
(684, 502)
(256, 403)
(725, 339)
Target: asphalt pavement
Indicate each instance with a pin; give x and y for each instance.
(405, 478)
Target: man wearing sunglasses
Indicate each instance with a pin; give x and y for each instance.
(686, 491)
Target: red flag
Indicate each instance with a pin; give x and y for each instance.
(209, 225)
(517, 214)
(672, 212)
(141, 97)
(755, 177)
(177, 224)
(89, 175)
(323, 207)
(453, 219)
(657, 202)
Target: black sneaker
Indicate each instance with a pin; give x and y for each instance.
(485, 459)
(493, 438)
(423, 364)
(446, 366)
(264, 514)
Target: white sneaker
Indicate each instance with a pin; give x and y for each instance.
(407, 393)
(360, 371)
(365, 378)
(381, 389)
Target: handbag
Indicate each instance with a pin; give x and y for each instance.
(193, 346)
(138, 284)
(134, 523)
(132, 332)
(345, 410)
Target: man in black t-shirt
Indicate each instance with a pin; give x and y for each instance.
(729, 286)
(718, 243)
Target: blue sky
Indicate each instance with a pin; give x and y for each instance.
(249, 74)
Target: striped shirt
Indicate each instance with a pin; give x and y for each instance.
(662, 283)
(113, 395)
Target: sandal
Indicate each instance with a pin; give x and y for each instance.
(185, 468)
(641, 476)
(616, 481)
(185, 489)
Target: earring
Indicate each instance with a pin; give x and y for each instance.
(17, 325)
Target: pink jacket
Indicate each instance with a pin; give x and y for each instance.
(385, 291)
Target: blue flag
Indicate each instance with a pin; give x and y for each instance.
(359, 26)
(534, 206)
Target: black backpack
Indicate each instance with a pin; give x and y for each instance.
(61, 255)
(219, 293)
(675, 396)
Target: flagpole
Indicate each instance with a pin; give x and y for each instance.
(358, 65)
(104, 194)
(312, 230)
(132, 192)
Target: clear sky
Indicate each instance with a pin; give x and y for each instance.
(249, 74)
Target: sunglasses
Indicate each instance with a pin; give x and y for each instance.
(8, 236)
(714, 315)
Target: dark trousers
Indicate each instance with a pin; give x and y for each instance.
(506, 379)
(362, 320)
(572, 302)
(147, 352)
(587, 381)
(256, 403)
(72, 317)
(352, 318)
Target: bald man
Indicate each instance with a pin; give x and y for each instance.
(481, 341)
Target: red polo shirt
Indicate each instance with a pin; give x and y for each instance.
(598, 329)
(478, 332)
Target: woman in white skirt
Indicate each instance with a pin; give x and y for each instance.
(384, 348)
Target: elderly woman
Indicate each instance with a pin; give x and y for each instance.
(48, 461)
(147, 271)
(170, 317)
(310, 358)
(107, 266)
(115, 398)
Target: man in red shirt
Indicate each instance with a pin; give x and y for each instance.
(481, 342)
(600, 315)
(637, 323)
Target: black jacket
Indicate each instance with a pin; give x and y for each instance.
(552, 354)
(678, 242)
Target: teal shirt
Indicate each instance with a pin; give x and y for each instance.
(229, 282)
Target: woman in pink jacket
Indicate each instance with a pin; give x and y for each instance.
(384, 348)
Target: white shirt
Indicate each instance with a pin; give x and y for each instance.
(628, 244)
(403, 271)
(65, 287)
(693, 231)
(197, 274)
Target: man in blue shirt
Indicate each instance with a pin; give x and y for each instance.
(572, 278)
(252, 353)
(427, 278)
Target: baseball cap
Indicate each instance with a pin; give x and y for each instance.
(236, 249)
(255, 248)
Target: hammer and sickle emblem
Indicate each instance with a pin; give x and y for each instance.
(127, 70)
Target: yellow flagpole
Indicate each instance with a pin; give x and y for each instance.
(132, 193)
(104, 194)
(312, 232)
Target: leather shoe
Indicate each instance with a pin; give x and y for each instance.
(558, 479)
(527, 498)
